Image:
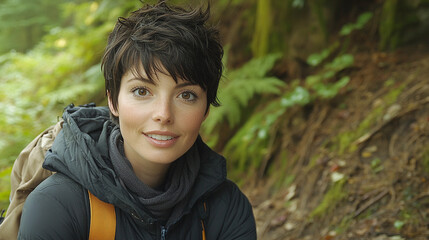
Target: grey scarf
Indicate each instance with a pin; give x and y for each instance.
(178, 183)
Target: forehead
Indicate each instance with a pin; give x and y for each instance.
(151, 71)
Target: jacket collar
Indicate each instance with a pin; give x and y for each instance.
(80, 152)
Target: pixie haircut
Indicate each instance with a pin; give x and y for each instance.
(171, 40)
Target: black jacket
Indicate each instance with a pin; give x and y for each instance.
(59, 207)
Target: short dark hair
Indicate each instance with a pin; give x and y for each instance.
(165, 38)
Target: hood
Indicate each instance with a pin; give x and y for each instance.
(80, 151)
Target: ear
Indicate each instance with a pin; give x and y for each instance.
(112, 109)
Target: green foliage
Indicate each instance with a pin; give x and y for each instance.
(240, 86)
(345, 142)
(250, 145)
(63, 68)
(298, 3)
(376, 165)
(5, 187)
(247, 148)
(316, 58)
(329, 90)
(359, 24)
(334, 195)
(346, 59)
(299, 96)
(398, 224)
(23, 23)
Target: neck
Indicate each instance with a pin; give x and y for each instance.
(151, 174)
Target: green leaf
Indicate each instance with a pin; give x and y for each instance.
(341, 62)
(342, 82)
(239, 87)
(312, 80)
(256, 68)
(330, 90)
(317, 58)
(398, 224)
(298, 3)
(360, 23)
(363, 19)
(299, 96)
(347, 29)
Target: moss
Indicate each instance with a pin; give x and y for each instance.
(344, 225)
(334, 195)
(393, 95)
(313, 161)
(344, 142)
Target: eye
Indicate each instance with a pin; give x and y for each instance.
(188, 96)
(141, 92)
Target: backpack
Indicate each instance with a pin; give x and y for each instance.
(27, 173)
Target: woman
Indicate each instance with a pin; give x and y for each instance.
(143, 153)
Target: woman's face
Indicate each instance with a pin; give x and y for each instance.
(159, 122)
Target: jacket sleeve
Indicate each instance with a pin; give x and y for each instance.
(231, 215)
(55, 210)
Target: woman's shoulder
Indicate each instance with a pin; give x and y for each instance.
(230, 212)
(61, 189)
(57, 208)
(59, 184)
(227, 191)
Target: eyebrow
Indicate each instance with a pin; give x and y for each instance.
(146, 80)
(185, 84)
(178, 85)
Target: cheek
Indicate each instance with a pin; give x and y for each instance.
(192, 122)
(130, 116)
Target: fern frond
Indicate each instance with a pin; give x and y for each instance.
(249, 144)
(239, 87)
(256, 68)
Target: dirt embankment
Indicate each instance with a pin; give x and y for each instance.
(360, 164)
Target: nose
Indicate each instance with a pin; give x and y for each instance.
(163, 112)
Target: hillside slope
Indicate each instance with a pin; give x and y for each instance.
(356, 166)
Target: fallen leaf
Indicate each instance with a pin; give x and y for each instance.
(278, 221)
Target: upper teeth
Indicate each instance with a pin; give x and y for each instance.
(160, 137)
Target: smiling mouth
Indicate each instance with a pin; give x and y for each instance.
(159, 137)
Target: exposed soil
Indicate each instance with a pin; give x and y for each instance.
(365, 153)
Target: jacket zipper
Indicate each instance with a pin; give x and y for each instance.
(163, 233)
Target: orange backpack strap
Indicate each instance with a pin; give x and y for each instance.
(203, 215)
(103, 219)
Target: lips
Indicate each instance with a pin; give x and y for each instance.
(161, 139)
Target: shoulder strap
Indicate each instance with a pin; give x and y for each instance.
(203, 215)
(103, 219)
